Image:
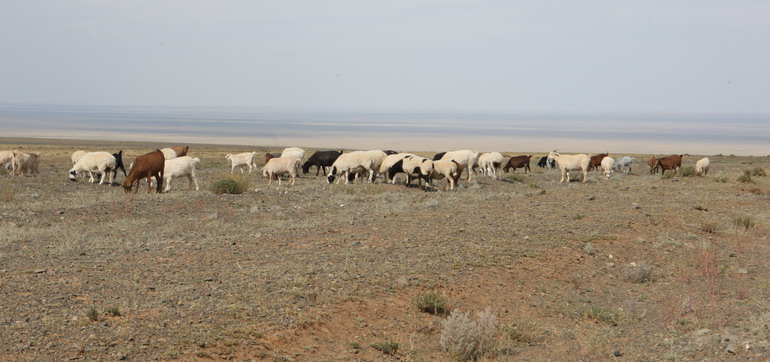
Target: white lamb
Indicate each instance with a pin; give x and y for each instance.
(178, 167)
(240, 160)
(702, 166)
(465, 158)
(277, 167)
(608, 164)
(94, 162)
(490, 163)
(569, 163)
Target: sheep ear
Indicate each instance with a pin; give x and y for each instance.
(120, 152)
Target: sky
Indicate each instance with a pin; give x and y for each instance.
(689, 56)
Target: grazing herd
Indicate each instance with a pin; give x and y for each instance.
(160, 166)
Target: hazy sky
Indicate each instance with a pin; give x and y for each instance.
(696, 56)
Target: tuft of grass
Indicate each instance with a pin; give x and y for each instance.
(667, 176)
(688, 171)
(388, 347)
(756, 191)
(600, 314)
(92, 314)
(523, 335)
(231, 184)
(710, 227)
(515, 178)
(469, 338)
(721, 179)
(746, 177)
(758, 171)
(745, 222)
(113, 311)
(354, 345)
(431, 302)
(700, 208)
(639, 273)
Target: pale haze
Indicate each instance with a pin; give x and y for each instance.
(535, 57)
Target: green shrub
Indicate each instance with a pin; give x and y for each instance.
(92, 314)
(431, 302)
(113, 311)
(600, 314)
(688, 171)
(389, 347)
(231, 184)
(758, 171)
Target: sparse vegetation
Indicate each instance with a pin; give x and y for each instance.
(231, 184)
(599, 314)
(746, 177)
(745, 222)
(710, 227)
(113, 311)
(93, 314)
(469, 338)
(758, 171)
(668, 175)
(431, 302)
(524, 334)
(388, 347)
(721, 179)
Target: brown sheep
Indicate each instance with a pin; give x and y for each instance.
(146, 166)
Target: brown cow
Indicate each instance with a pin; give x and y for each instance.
(596, 161)
(652, 163)
(146, 166)
(671, 162)
(518, 162)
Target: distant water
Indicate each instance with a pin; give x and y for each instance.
(426, 131)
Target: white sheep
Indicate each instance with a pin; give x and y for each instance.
(420, 167)
(178, 167)
(94, 162)
(490, 163)
(702, 166)
(294, 152)
(608, 164)
(465, 158)
(355, 162)
(387, 165)
(168, 153)
(569, 163)
(277, 167)
(448, 169)
(25, 163)
(77, 155)
(240, 160)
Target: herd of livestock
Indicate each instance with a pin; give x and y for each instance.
(165, 164)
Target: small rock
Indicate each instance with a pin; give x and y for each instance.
(254, 209)
(635, 206)
(213, 216)
(701, 332)
(589, 249)
(611, 265)
(35, 195)
(624, 189)
(742, 271)
(592, 198)
(526, 238)
(60, 212)
(120, 357)
(355, 243)
(208, 280)
(617, 354)
(731, 348)
(40, 271)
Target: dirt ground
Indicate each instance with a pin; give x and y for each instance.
(324, 272)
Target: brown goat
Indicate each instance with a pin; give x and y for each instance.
(146, 166)
(596, 161)
(652, 163)
(518, 162)
(672, 162)
(181, 150)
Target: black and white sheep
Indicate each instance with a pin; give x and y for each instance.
(95, 163)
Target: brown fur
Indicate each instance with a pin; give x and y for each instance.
(147, 166)
(672, 162)
(596, 161)
(181, 150)
(652, 163)
(518, 162)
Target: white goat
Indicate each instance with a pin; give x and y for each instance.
(6, 159)
(490, 163)
(608, 164)
(355, 162)
(569, 163)
(294, 152)
(178, 167)
(626, 162)
(702, 166)
(465, 158)
(448, 169)
(277, 167)
(25, 163)
(240, 160)
(94, 162)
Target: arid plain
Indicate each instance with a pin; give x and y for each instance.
(635, 267)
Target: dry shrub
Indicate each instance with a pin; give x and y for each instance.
(639, 273)
(431, 302)
(469, 339)
(688, 171)
(231, 184)
(746, 177)
(710, 227)
(758, 171)
(600, 314)
(745, 222)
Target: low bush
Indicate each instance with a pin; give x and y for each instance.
(688, 171)
(431, 302)
(389, 347)
(746, 177)
(469, 338)
(639, 273)
(758, 171)
(745, 222)
(231, 184)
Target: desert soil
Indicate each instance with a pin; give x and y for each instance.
(322, 272)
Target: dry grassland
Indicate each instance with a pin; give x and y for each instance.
(640, 266)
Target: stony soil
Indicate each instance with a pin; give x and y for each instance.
(322, 272)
